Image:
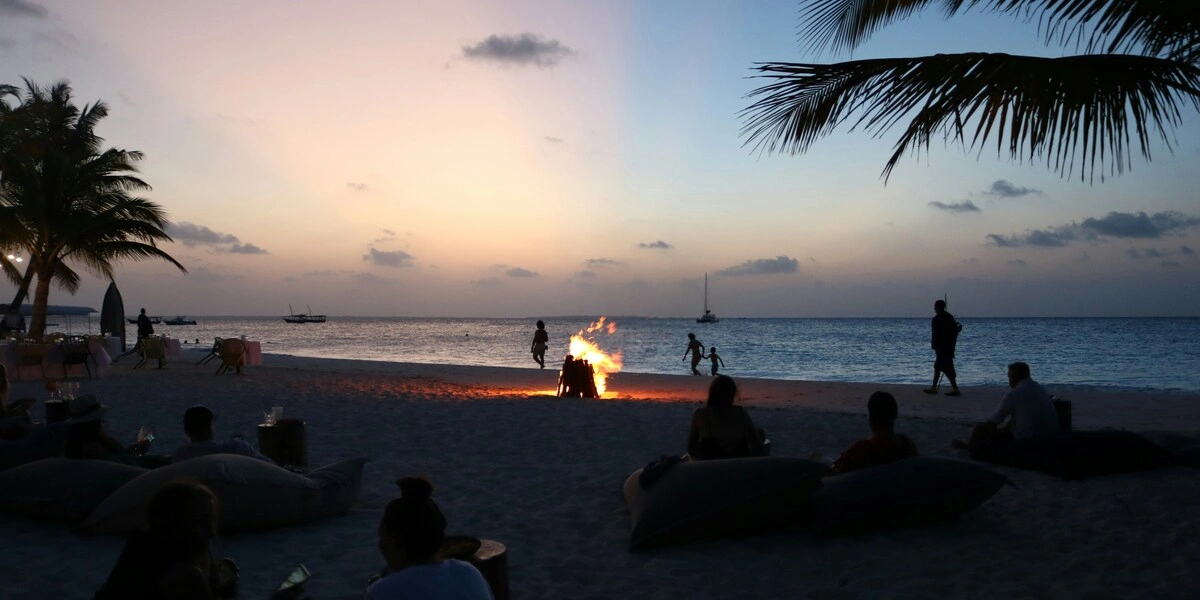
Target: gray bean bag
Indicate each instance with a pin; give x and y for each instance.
(61, 489)
(907, 493)
(253, 495)
(720, 498)
(45, 441)
(1080, 454)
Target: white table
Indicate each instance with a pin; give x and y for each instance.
(52, 362)
(253, 353)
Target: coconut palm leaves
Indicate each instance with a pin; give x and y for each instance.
(1091, 112)
(66, 202)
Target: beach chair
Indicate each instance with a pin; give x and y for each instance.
(215, 352)
(31, 354)
(233, 354)
(152, 347)
(76, 350)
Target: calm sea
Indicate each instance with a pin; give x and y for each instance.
(1130, 353)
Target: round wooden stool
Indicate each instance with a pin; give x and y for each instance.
(492, 561)
(285, 442)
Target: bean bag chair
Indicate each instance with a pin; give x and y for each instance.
(253, 494)
(61, 489)
(1081, 454)
(710, 499)
(1183, 446)
(46, 441)
(911, 492)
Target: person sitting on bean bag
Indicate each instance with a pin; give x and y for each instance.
(721, 429)
(410, 537)
(884, 445)
(1024, 412)
(198, 425)
(86, 438)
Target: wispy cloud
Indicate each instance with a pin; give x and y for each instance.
(373, 279)
(1115, 225)
(659, 245)
(385, 258)
(957, 207)
(586, 274)
(519, 272)
(1018, 263)
(1004, 189)
(1170, 264)
(600, 263)
(388, 236)
(486, 282)
(23, 8)
(357, 186)
(1186, 250)
(764, 266)
(553, 140)
(192, 235)
(526, 49)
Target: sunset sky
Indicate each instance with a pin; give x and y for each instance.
(514, 159)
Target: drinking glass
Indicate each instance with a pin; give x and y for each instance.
(276, 413)
(268, 418)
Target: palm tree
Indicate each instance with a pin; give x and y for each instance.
(65, 201)
(1139, 67)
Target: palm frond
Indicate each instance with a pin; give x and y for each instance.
(1079, 111)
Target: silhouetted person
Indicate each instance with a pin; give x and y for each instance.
(712, 355)
(13, 322)
(721, 429)
(884, 445)
(410, 536)
(538, 347)
(198, 425)
(1025, 411)
(696, 349)
(87, 438)
(145, 327)
(944, 338)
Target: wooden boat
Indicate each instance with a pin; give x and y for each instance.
(153, 320)
(307, 317)
(180, 320)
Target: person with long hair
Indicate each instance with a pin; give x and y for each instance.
(411, 533)
(721, 428)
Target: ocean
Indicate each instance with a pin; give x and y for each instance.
(1160, 354)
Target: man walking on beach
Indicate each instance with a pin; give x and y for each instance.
(945, 337)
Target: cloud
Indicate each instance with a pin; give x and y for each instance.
(1170, 264)
(23, 8)
(385, 258)
(1115, 224)
(246, 248)
(372, 279)
(388, 236)
(599, 263)
(486, 282)
(519, 272)
(190, 234)
(1018, 263)
(659, 245)
(357, 186)
(586, 274)
(522, 50)
(971, 261)
(957, 207)
(553, 140)
(1140, 225)
(1186, 250)
(764, 266)
(1004, 189)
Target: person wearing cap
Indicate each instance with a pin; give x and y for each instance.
(198, 425)
(86, 437)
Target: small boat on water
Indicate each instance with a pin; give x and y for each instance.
(180, 320)
(307, 317)
(153, 320)
(708, 316)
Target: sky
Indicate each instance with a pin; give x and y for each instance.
(526, 159)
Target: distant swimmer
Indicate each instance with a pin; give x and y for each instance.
(541, 339)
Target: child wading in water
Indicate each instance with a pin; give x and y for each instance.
(712, 354)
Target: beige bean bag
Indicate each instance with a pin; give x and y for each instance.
(61, 489)
(720, 498)
(253, 494)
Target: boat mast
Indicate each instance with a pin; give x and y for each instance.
(706, 292)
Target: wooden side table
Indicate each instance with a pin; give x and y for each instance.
(285, 442)
(492, 561)
(57, 411)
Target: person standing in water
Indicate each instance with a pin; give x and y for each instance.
(540, 342)
(712, 355)
(696, 349)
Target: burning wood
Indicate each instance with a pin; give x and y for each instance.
(586, 369)
(577, 379)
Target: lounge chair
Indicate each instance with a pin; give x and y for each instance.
(75, 351)
(215, 352)
(31, 354)
(153, 347)
(233, 354)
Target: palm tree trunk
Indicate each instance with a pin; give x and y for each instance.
(41, 297)
(23, 290)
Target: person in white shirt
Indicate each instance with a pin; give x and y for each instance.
(198, 425)
(1024, 412)
(410, 536)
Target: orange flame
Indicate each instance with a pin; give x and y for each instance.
(603, 363)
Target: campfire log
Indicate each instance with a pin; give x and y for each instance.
(578, 379)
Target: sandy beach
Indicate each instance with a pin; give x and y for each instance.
(543, 475)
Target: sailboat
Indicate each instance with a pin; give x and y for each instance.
(708, 316)
(307, 317)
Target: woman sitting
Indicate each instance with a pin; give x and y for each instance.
(410, 536)
(721, 429)
(86, 438)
